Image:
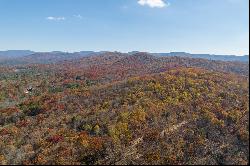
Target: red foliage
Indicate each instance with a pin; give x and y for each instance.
(9, 111)
(22, 123)
(4, 132)
(55, 139)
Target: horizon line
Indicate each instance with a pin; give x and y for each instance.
(124, 52)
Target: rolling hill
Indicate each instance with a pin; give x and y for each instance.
(116, 108)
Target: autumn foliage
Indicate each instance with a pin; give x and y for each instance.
(125, 109)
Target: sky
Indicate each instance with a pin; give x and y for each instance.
(194, 26)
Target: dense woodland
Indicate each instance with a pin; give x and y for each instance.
(115, 108)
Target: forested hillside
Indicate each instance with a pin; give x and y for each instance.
(115, 108)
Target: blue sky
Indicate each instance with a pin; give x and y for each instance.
(195, 26)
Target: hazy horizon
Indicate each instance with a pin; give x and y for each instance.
(120, 52)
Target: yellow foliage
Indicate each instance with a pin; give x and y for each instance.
(96, 129)
(120, 132)
(138, 116)
(157, 87)
(2, 160)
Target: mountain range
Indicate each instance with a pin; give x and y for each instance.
(17, 57)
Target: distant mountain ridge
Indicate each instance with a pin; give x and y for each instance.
(144, 63)
(29, 57)
(244, 58)
(15, 53)
(15, 57)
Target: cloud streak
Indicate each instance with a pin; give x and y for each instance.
(51, 18)
(154, 3)
(78, 16)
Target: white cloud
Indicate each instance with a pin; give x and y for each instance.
(78, 16)
(55, 18)
(154, 3)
